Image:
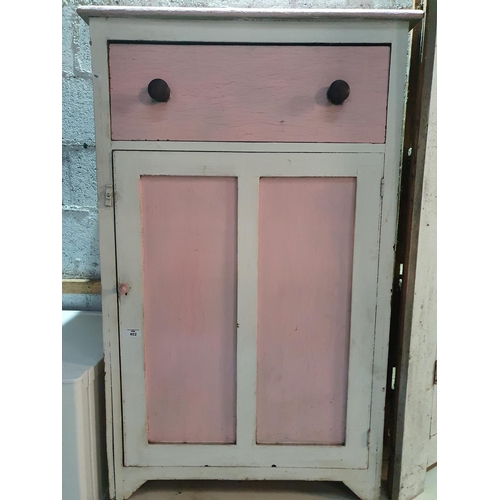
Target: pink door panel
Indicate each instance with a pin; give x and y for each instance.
(250, 93)
(306, 239)
(189, 288)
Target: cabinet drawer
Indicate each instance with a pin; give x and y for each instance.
(248, 93)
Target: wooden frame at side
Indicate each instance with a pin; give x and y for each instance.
(412, 352)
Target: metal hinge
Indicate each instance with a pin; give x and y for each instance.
(435, 372)
(382, 183)
(108, 196)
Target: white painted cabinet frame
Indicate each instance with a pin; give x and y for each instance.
(131, 460)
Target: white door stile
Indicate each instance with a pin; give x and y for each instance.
(100, 83)
(363, 305)
(246, 337)
(128, 254)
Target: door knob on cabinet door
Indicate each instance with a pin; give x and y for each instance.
(338, 92)
(159, 90)
(123, 289)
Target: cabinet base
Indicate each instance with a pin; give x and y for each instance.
(362, 483)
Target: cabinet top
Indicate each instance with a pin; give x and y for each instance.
(407, 15)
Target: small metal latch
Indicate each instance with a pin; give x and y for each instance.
(108, 196)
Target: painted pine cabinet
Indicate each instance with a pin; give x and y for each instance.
(248, 177)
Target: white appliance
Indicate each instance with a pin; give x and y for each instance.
(84, 475)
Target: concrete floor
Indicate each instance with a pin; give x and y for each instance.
(259, 490)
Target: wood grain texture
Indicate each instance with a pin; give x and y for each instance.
(306, 238)
(189, 263)
(107, 246)
(414, 327)
(249, 93)
(86, 13)
(81, 286)
(249, 147)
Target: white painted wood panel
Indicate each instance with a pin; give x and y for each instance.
(369, 486)
(107, 255)
(246, 363)
(248, 31)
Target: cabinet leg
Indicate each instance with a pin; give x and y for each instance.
(365, 490)
(127, 487)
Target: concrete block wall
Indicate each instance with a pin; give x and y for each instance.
(80, 252)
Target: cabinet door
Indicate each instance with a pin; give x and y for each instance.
(247, 330)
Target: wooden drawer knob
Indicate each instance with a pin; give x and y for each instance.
(159, 90)
(338, 92)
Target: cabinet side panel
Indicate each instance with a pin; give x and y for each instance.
(189, 269)
(306, 238)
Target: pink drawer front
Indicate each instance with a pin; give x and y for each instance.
(248, 93)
